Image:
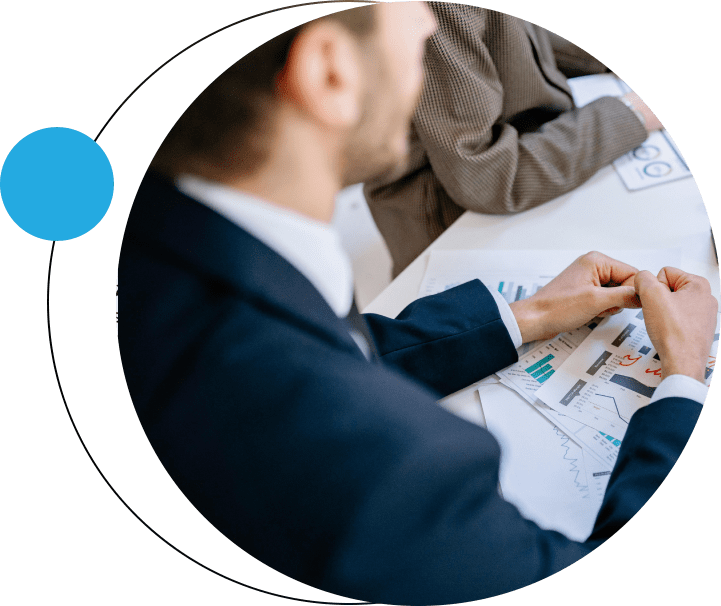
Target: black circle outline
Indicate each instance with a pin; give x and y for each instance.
(217, 31)
(670, 169)
(50, 337)
(658, 152)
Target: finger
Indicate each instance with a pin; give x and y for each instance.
(677, 279)
(648, 285)
(630, 281)
(612, 271)
(617, 297)
(619, 272)
(663, 278)
(610, 312)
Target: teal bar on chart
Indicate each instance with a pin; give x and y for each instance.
(534, 367)
(546, 376)
(542, 370)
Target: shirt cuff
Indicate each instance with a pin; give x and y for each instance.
(508, 319)
(680, 386)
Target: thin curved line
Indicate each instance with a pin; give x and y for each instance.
(130, 509)
(52, 352)
(274, 10)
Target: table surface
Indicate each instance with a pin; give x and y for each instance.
(600, 215)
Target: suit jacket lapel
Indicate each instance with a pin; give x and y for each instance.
(174, 224)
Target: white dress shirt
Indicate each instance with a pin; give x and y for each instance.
(315, 249)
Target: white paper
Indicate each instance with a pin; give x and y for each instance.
(534, 368)
(711, 362)
(465, 404)
(542, 471)
(600, 446)
(513, 286)
(610, 375)
(656, 161)
(449, 268)
(597, 476)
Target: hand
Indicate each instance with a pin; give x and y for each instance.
(593, 285)
(680, 315)
(651, 122)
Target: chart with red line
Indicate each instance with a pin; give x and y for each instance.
(610, 375)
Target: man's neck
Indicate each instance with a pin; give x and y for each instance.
(301, 175)
(313, 199)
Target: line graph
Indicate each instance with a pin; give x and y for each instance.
(615, 407)
(619, 375)
(574, 469)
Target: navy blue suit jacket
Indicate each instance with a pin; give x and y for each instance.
(339, 472)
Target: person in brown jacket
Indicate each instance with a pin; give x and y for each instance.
(496, 130)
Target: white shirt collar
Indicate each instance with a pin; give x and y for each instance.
(312, 247)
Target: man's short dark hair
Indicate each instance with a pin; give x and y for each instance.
(227, 127)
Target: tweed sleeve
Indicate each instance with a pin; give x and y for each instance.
(495, 131)
(466, 125)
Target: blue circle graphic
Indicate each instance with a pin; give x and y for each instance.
(56, 184)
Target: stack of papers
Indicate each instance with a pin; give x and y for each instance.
(560, 413)
(612, 374)
(543, 472)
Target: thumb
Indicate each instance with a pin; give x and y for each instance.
(649, 286)
(614, 298)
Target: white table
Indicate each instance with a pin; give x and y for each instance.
(599, 215)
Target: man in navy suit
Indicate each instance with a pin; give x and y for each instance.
(319, 452)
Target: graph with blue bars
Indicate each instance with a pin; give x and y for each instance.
(541, 370)
(519, 289)
(611, 439)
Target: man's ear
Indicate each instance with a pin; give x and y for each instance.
(323, 75)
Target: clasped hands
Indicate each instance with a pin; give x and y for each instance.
(678, 308)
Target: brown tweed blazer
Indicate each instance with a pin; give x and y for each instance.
(495, 131)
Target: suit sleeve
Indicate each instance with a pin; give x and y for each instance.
(446, 341)
(458, 540)
(484, 160)
(660, 431)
